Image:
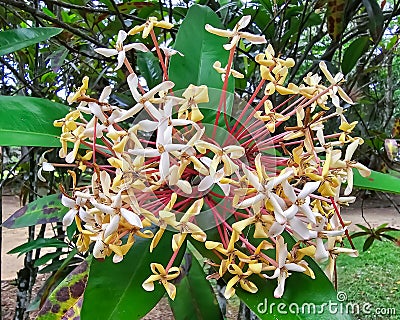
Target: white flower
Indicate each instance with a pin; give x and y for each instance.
(235, 34)
(282, 271)
(214, 177)
(115, 210)
(44, 166)
(143, 101)
(120, 49)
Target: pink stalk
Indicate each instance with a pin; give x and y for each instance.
(211, 205)
(171, 261)
(256, 91)
(342, 223)
(160, 57)
(260, 104)
(94, 141)
(222, 100)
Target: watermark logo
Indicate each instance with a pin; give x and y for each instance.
(340, 306)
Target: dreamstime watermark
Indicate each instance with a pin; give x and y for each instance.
(339, 306)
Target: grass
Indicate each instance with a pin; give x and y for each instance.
(372, 278)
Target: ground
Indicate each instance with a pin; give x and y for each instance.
(376, 210)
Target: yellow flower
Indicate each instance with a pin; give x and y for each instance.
(270, 117)
(81, 92)
(277, 78)
(193, 95)
(329, 182)
(241, 277)
(185, 227)
(268, 59)
(262, 222)
(68, 123)
(230, 252)
(148, 26)
(222, 71)
(162, 221)
(163, 276)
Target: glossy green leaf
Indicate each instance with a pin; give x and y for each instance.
(149, 67)
(43, 210)
(200, 49)
(377, 181)
(119, 286)
(27, 121)
(376, 18)
(37, 244)
(65, 302)
(195, 298)
(16, 39)
(353, 53)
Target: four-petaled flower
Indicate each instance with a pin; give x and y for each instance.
(236, 34)
(120, 49)
(163, 276)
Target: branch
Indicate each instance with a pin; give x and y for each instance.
(38, 14)
(22, 79)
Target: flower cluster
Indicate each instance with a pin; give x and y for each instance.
(166, 169)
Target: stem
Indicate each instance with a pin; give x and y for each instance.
(94, 141)
(342, 223)
(248, 104)
(160, 57)
(223, 94)
(260, 104)
(171, 261)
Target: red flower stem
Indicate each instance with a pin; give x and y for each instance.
(256, 91)
(171, 261)
(248, 133)
(284, 102)
(160, 57)
(243, 126)
(342, 223)
(146, 141)
(222, 100)
(97, 149)
(211, 204)
(94, 141)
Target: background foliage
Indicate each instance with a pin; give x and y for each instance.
(360, 38)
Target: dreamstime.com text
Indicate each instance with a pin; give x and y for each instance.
(340, 306)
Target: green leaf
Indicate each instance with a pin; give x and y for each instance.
(195, 298)
(43, 210)
(38, 243)
(16, 39)
(368, 243)
(377, 181)
(46, 258)
(119, 286)
(65, 301)
(353, 53)
(376, 18)
(149, 67)
(27, 121)
(200, 49)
